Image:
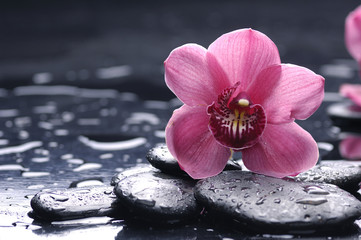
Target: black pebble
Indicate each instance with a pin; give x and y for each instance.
(160, 158)
(346, 115)
(158, 198)
(73, 203)
(344, 174)
(131, 171)
(271, 204)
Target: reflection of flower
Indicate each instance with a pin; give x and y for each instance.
(353, 45)
(350, 148)
(238, 96)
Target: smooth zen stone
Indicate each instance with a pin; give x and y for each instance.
(160, 158)
(131, 171)
(344, 174)
(271, 204)
(346, 115)
(158, 197)
(75, 203)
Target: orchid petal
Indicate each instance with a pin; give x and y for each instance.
(243, 54)
(283, 150)
(353, 33)
(191, 143)
(188, 75)
(350, 148)
(287, 92)
(352, 91)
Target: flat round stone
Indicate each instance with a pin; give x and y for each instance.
(160, 158)
(346, 115)
(158, 196)
(271, 204)
(344, 174)
(73, 203)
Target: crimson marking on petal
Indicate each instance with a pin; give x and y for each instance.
(239, 127)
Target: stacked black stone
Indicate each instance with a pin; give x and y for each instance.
(161, 193)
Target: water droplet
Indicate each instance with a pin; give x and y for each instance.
(317, 177)
(113, 146)
(34, 174)
(312, 201)
(277, 200)
(260, 201)
(20, 148)
(59, 198)
(238, 207)
(75, 161)
(108, 192)
(317, 190)
(12, 167)
(86, 183)
(40, 159)
(87, 166)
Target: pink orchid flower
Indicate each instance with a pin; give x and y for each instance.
(353, 45)
(350, 148)
(239, 97)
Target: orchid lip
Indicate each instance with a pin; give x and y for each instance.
(235, 122)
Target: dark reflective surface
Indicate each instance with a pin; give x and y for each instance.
(112, 105)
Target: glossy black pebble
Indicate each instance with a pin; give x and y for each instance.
(131, 171)
(345, 115)
(344, 174)
(270, 204)
(73, 203)
(158, 196)
(160, 158)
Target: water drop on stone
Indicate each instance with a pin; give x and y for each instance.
(260, 201)
(277, 200)
(315, 190)
(59, 198)
(312, 201)
(107, 192)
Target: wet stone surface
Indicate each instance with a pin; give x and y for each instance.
(265, 203)
(158, 196)
(162, 159)
(141, 168)
(344, 174)
(73, 203)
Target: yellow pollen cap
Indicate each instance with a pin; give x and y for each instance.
(243, 102)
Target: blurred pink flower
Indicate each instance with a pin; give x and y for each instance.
(350, 148)
(353, 34)
(353, 45)
(238, 96)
